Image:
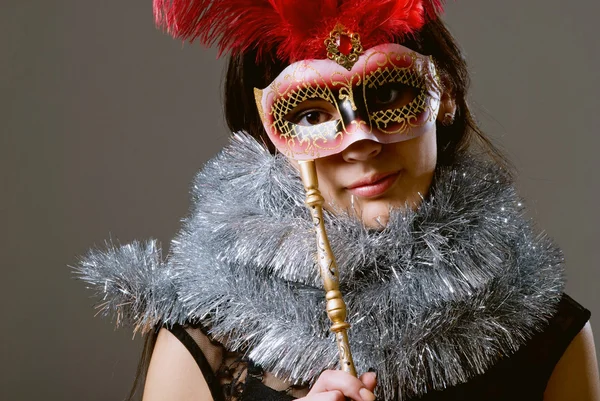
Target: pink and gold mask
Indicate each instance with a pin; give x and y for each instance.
(317, 108)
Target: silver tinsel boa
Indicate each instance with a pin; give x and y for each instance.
(434, 298)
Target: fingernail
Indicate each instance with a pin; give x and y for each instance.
(372, 370)
(366, 395)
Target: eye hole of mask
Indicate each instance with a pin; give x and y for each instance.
(312, 112)
(390, 95)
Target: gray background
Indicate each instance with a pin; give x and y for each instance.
(104, 120)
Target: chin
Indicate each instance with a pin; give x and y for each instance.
(377, 214)
(377, 223)
(375, 217)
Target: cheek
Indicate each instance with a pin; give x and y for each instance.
(331, 180)
(419, 154)
(328, 173)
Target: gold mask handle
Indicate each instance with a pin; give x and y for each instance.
(336, 307)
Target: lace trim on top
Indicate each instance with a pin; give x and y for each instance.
(233, 371)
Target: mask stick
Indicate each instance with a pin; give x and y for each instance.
(336, 307)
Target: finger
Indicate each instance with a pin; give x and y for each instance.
(369, 380)
(349, 385)
(328, 396)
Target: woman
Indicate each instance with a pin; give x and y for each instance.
(450, 292)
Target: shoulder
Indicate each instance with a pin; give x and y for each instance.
(173, 373)
(575, 376)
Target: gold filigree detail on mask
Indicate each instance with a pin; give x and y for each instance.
(346, 84)
(410, 69)
(258, 93)
(293, 133)
(343, 47)
(406, 117)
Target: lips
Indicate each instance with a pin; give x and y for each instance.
(374, 185)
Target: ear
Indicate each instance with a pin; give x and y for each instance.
(447, 109)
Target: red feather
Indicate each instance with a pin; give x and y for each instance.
(296, 29)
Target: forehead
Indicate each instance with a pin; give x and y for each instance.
(385, 57)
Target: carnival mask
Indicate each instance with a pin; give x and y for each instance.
(317, 108)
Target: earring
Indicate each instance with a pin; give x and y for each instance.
(448, 119)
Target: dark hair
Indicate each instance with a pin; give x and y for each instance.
(142, 369)
(244, 74)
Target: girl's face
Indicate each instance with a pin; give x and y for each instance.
(368, 178)
(370, 128)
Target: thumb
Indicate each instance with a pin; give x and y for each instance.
(369, 379)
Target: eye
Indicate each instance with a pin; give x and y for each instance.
(312, 112)
(312, 117)
(392, 94)
(386, 95)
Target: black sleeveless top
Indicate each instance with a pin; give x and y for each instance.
(522, 376)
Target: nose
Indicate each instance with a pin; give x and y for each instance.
(362, 150)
